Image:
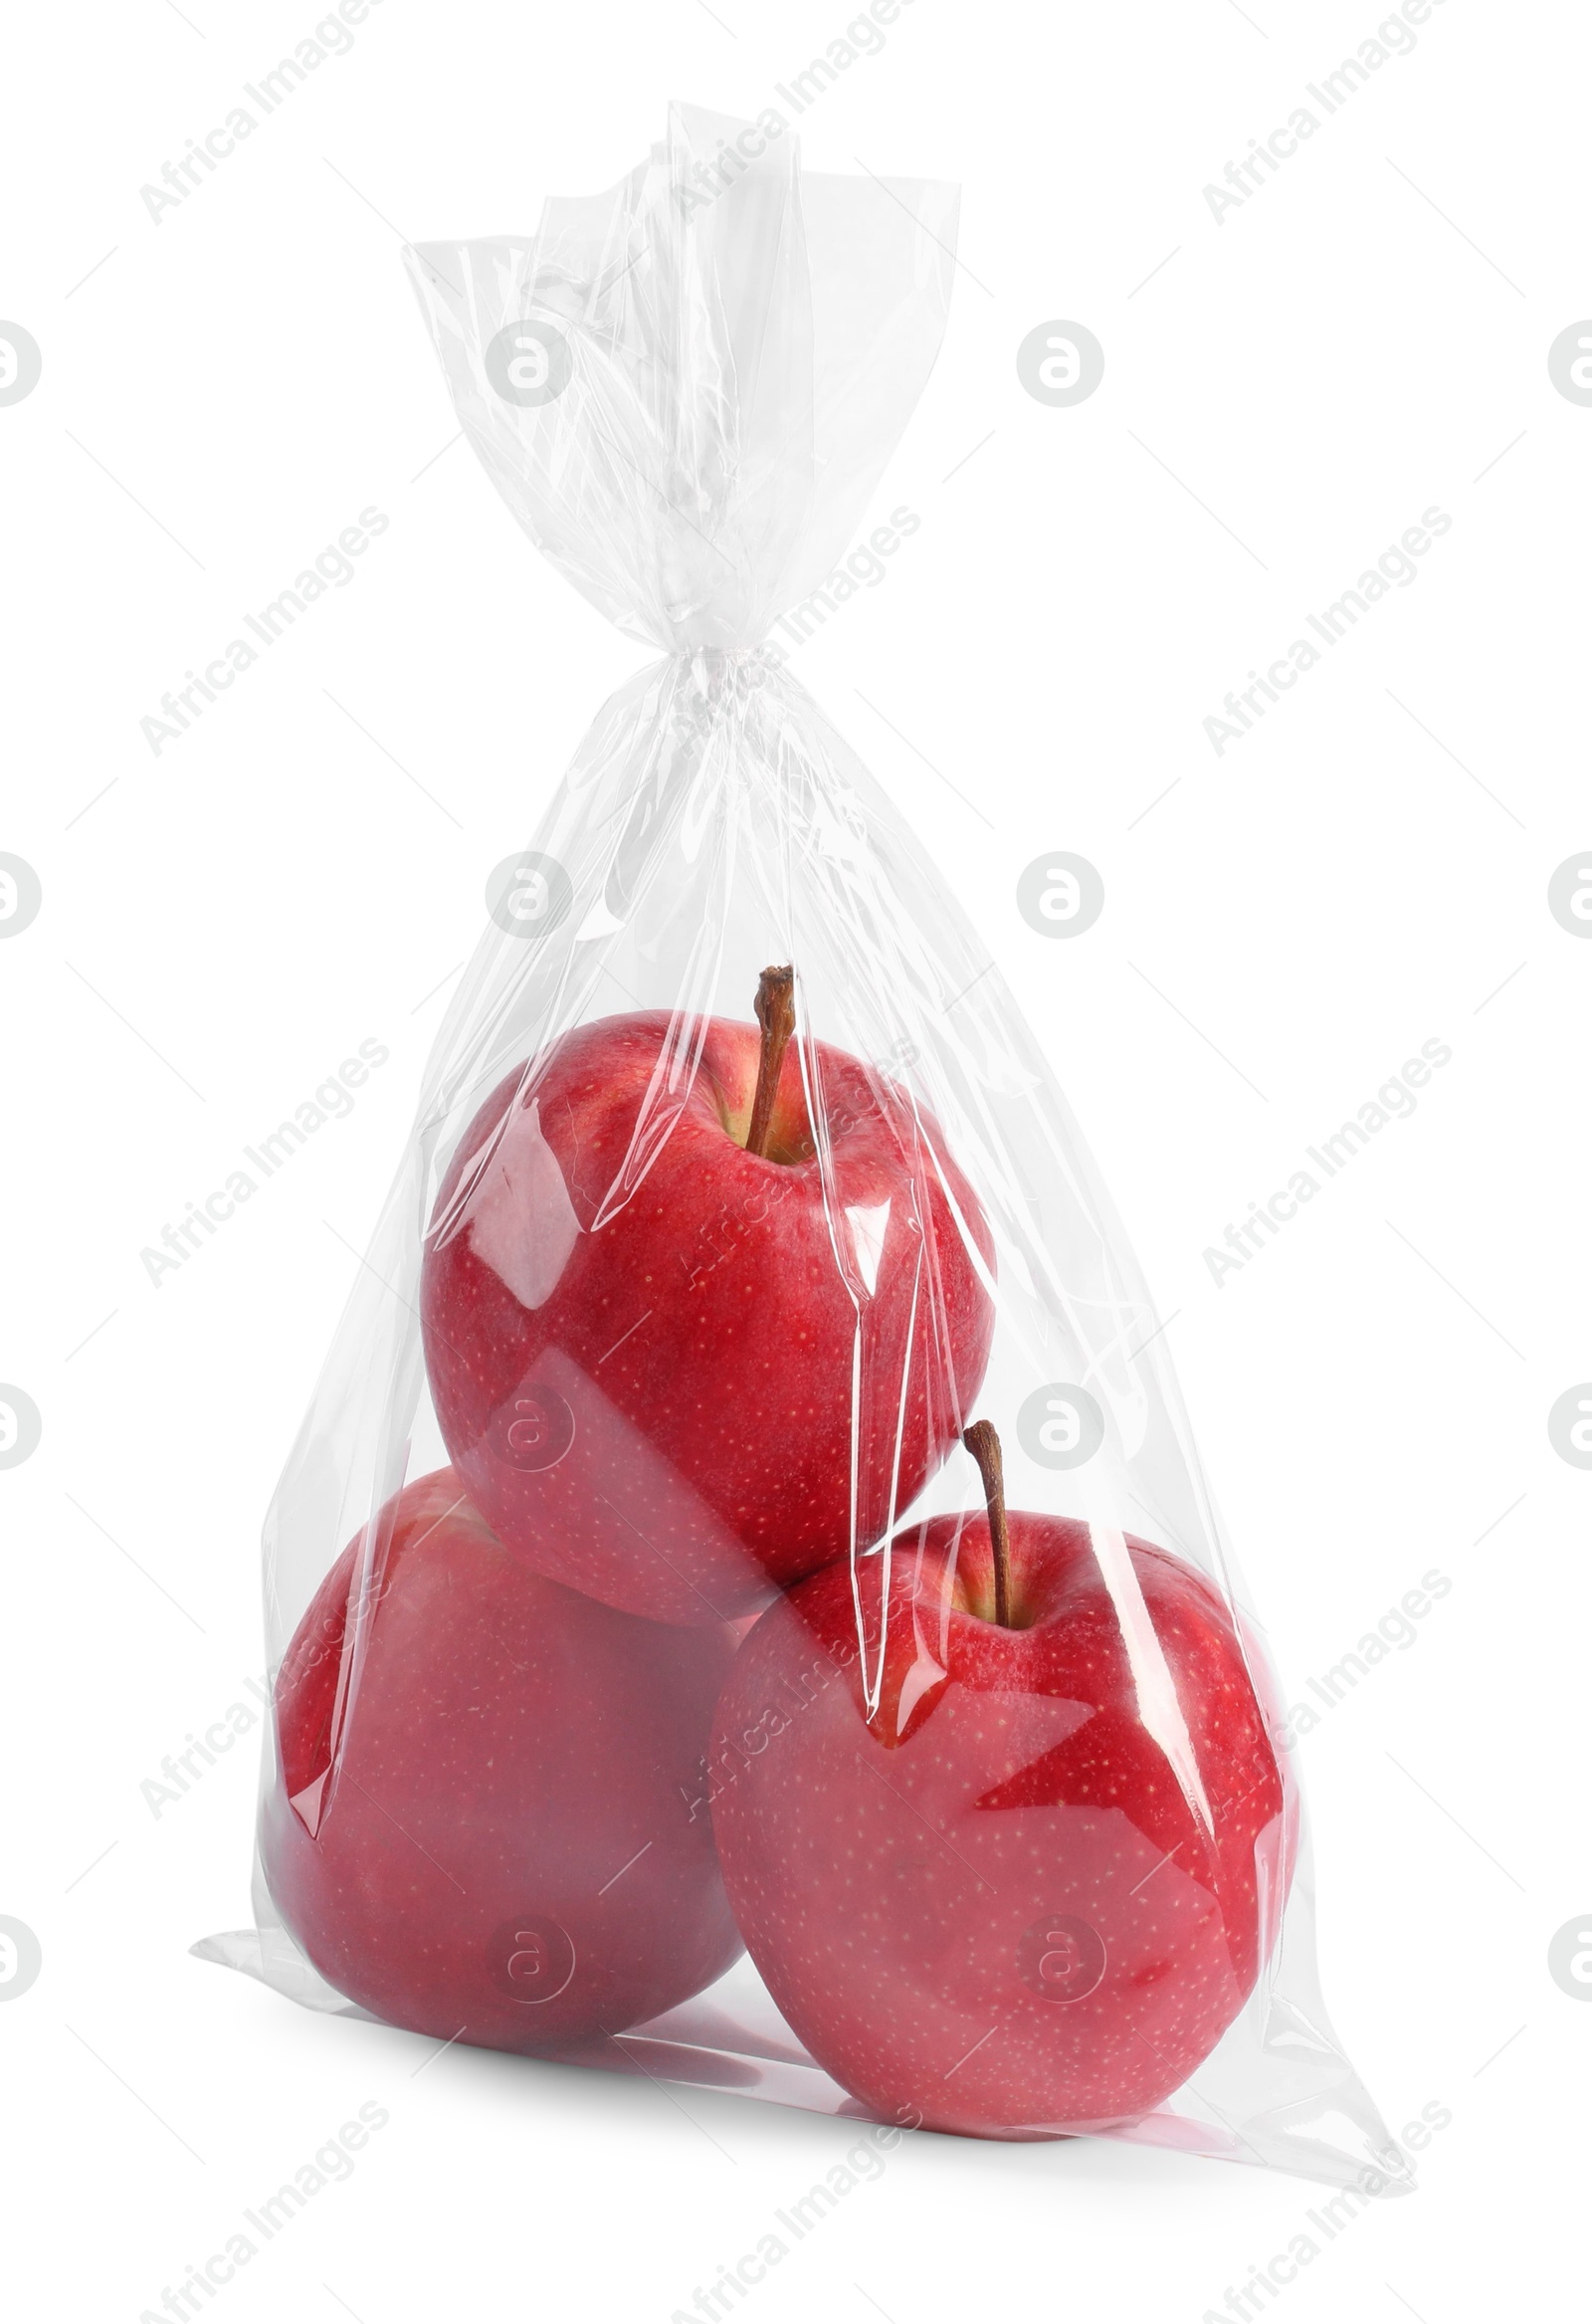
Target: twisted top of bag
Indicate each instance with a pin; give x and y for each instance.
(686, 389)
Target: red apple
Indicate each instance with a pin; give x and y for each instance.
(681, 1353)
(1026, 1894)
(481, 1823)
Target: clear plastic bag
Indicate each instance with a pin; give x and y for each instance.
(642, 1583)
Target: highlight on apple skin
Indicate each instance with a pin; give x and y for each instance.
(1012, 1871)
(480, 1825)
(654, 1305)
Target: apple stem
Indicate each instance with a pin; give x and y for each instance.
(775, 1010)
(985, 1447)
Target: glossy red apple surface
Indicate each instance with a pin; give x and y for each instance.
(1028, 1894)
(682, 1355)
(481, 1823)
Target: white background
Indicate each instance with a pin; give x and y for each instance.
(1364, 338)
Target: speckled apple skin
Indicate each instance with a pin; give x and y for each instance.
(506, 1748)
(928, 1895)
(660, 1415)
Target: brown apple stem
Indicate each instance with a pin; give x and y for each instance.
(775, 1010)
(985, 1447)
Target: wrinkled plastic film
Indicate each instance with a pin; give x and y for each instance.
(687, 397)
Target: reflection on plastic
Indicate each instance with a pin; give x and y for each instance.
(685, 1370)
